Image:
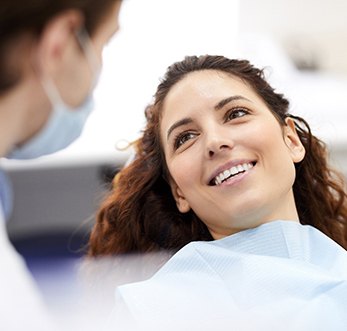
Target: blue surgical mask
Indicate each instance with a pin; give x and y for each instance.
(65, 123)
(62, 128)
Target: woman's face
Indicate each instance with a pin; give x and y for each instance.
(229, 159)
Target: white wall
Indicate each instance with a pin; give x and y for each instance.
(306, 28)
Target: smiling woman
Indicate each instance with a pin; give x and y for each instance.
(240, 137)
(211, 117)
(224, 171)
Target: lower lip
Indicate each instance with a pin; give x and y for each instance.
(235, 179)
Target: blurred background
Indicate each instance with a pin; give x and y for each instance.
(301, 43)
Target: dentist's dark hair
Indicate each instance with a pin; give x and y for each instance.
(140, 213)
(30, 17)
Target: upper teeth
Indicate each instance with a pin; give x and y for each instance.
(232, 172)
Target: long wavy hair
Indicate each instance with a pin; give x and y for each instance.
(140, 214)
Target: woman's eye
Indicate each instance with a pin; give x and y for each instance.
(235, 113)
(183, 138)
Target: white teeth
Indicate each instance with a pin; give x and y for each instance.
(226, 173)
(232, 172)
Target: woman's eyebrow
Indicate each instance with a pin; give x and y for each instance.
(218, 106)
(177, 124)
(225, 101)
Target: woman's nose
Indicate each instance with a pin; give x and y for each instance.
(218, 143)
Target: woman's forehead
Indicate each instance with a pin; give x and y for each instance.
(206, 86)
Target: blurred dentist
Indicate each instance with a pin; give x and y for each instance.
(50, 59)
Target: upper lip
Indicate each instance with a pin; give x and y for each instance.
(227, 166)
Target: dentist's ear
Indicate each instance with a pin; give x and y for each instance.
(181, 202)
(293, 142)
(56, 40)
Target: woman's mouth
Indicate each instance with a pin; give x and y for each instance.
(233, 171)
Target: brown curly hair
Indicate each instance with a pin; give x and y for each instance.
(140, 214)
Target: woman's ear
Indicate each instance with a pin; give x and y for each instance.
(293, 142)
(181, 202)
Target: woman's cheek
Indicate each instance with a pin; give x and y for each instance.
(182, 170)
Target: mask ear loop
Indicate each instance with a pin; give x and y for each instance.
(89, 51)
(51, 91)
